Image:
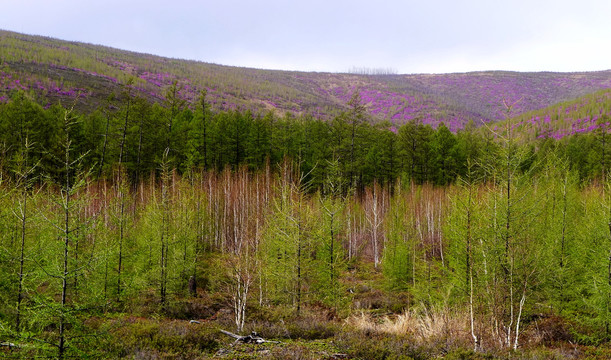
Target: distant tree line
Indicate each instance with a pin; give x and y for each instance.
(372, 71)
(135, 133)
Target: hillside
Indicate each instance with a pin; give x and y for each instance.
(59, 70)
(581, 115)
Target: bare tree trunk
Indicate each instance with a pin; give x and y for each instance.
(521, 307)
(242, 284)
(375, 208)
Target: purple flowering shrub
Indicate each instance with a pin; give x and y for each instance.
(582, 115)
(57, 69)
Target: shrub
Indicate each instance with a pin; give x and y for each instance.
(146, 339)
(375, 346)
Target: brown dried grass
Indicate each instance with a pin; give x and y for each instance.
(423, 326)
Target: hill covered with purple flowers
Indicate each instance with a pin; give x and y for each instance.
(54, 70)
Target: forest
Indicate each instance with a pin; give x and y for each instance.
(338, 238)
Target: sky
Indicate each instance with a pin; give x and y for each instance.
(409, 37)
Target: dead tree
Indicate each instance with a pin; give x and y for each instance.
(253, 338)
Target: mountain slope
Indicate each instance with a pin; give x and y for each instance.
(581, 115)
(60, 70)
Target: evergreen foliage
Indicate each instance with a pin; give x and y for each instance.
(135, 203)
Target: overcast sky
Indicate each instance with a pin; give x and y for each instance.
(424, 36)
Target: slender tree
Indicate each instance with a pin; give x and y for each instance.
(69, 226)
(174, 105)
(24, 183)
(375, 205)
(333, 204)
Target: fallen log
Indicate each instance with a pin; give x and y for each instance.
(253, 338)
